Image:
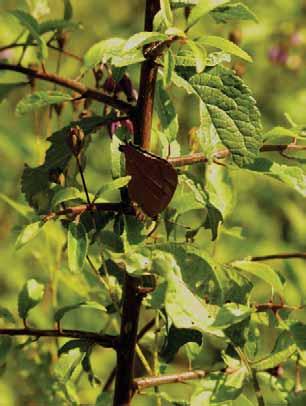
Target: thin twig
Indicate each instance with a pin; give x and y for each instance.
(292, 255)
(77, 210)
(147, 382)
(104, 340)
(202, 158)
(86, 92)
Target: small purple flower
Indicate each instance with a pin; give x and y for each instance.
(278, 54)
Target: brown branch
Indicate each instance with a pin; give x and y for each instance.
(147, 382)
(301, 255)
(77, 210)
(86, 92)
(141, 333)
(275, 307)
(104, 340)
(147, 84)
(127, 342)
(202, 158)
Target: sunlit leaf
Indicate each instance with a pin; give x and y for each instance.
(77, 246)
(202, 8)
(30, 296)
(225, 45)
(233, 12)
(28, 233)
(262, 271)
(142, 38)
(39, 100)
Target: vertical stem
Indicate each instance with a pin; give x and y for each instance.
(128, 338)
(131, 297)
(147, 86)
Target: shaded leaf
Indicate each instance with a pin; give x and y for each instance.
(6, 315)
(82, 345)
(89, 304)
(5, 347)
(66, 194)
(35, 181)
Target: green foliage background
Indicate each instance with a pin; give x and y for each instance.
(272, 217)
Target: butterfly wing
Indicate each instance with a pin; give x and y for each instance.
(153, 182)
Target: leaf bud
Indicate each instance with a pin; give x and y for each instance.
(75, 140)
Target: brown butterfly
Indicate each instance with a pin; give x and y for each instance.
(154, 180)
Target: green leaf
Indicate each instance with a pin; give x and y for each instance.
(176, 338)
(77, 246)
(220, 189)
(114, 185)
(231, 313)
(233, 12)
(169, 66)
(201, 9)
(82, 345)
(66, 194)
(89, 304)
(28, 233)
(225, 45)
(6, 88)
(58, 25)
(20, 208)
(32, 25)
(6, 315)
(219, 388)
(68, 10)
(283, 350)
(38, 8)
(183, 3)
(30, 295)
(166, 12)
(279, 132)
(134, 263)
(166, 113)
(104, 399)
(67, 364)
(39, 100)
(293, 176)
(185, 310)
(188, 196)
(298, 331)
(143, 38)
(5, 347)
(35, 182)
(199, 53)
(229, 109)
(261, 271)
(103, 51)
